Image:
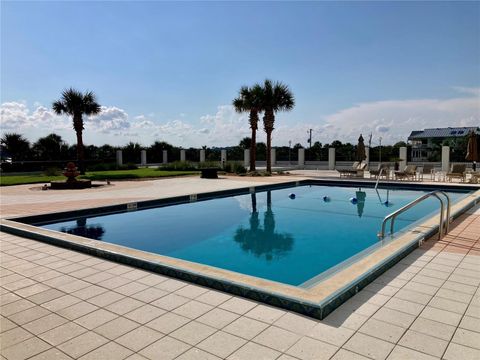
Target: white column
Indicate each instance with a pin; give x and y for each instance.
(202, 155)
(445, 158)
(182, 155)
(223, 157)
(143, 157)
(246, 158)
(301, 157)
(165, 156)
(402, 154)
(331, 158)
(119, 158)
(273, 156)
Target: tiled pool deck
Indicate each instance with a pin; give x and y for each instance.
(59, 304)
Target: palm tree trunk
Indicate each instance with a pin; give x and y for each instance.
(78, 126)
(253, 144)
(80, 153)
(268, 122)
(269, 150)
(253, 150)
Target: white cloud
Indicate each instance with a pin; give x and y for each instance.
(393, 120)
(16, 116)
(468, 90)
(225, 127)
(109, 120)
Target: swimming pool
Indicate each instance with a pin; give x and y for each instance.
(307, 253)
(265, 234)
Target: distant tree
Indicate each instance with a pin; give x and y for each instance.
(235, 153)
(131, 152)
(16, 145)
(336, 144)
(400, 144)
(315, 153)
(76, 104)
(245, 143)
(106, 152)
(249, 100)
(261, 151)
(50, 147)
(275, 97)
(155, 151)
(91, 152)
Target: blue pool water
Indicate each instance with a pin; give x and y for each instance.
(267, 234)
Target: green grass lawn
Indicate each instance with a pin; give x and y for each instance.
(6, 179)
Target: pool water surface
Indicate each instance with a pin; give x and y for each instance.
(265, 234)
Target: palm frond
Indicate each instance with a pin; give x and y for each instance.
(58, 107)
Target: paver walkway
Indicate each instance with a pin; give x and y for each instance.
(60, 304)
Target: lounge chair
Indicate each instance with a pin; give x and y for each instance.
(427, 169)
(458, 172)
(348, 172)
(385, 173)
(475, 178)
(361, 170)
(356, 171)
(409, 172)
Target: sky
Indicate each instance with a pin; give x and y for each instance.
(168, 71)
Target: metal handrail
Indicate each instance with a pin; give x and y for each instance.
(379, 176)
(447, 223)
(442, 224)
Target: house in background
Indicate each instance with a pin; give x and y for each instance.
(426, 142)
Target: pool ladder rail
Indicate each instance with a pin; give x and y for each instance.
(378, 178)
(444, 224)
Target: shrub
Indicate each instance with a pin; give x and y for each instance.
(235, 167)
(208, 164)
(178, 166)
(228, 167)
(128, 166)
(238, 168)
(102, 167)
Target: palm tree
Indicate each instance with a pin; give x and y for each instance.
(249, 101)
(16, 145)
(76, 104)
(275, 97)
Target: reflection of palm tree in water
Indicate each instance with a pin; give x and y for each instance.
(264, 241)
(95, 232)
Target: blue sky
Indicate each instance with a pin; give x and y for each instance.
(169, 71)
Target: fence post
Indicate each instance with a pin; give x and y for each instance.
(331, 158)
(246, 158)
(301, 157)
(119, 158)
(403, 156)
(273, 156)
(143, 157)
(202, 155)
(223, 158)
(165, 156)
(182, 155)
(445, 158)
